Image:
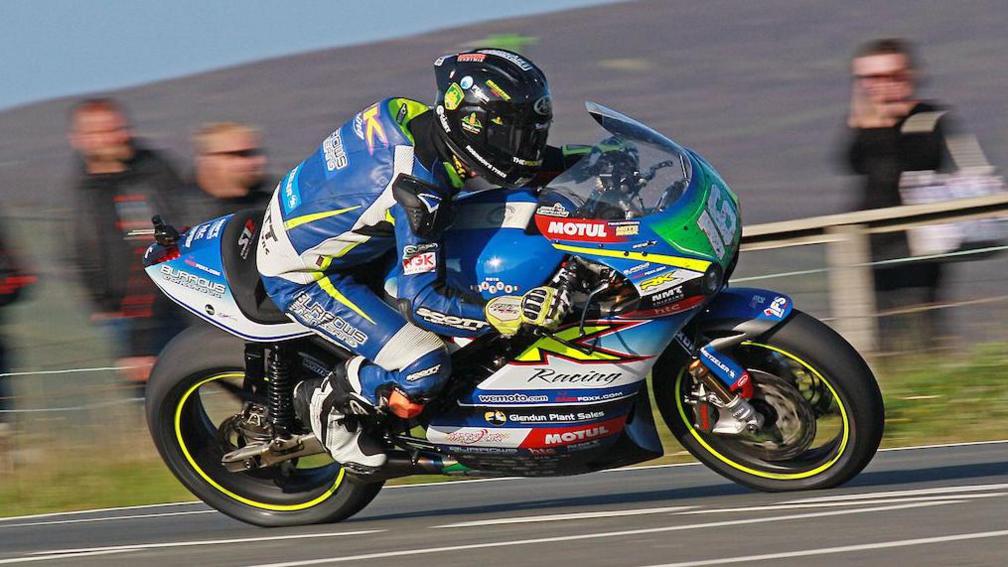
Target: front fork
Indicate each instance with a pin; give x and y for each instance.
(721, 394)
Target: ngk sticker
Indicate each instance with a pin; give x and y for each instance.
(419, 263)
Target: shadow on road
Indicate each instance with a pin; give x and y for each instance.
(910, 476)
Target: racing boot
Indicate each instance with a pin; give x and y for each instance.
(332, 407)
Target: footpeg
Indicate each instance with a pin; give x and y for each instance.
(270, 453)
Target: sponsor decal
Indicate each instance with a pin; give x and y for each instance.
(291, 194)
(495, 89)
(215, 229)
(481, 96)
(667, 280)
(466, 82)
(401, 115)
(453, 96)
(472, 124)
(637, 268)
(515, 398)
(554, 210)
(245, 239)
(446, 320)
(471, 58)
(419, 263)
(685, 341)
(776, 308)
(495, 286)
(466, 436)
(717, 364)
(333, 152)
(314, 365)
(423, 373)
(707, 226)
(546, 437)
(358, 125)
(411, 249)
(553, 417)
(197, 265)
(373, 128)
(545, 452)
(209, 309)
(495, 417)
(591, 377)
(442, 118)
(519, 61)
(192, 281)
(671, 309)
(311, 314)
(627, 229)
(543, 106)
(472, 151)
(672, 294)
(645, 244)
(440, 60)
(564, 397)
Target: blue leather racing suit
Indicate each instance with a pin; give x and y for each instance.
(343, 207)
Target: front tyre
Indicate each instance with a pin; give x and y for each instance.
(191, 394)
(823, 411)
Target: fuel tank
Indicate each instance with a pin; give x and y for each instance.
(489, 249)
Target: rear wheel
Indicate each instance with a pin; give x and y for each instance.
(195, 390)
(822, 409)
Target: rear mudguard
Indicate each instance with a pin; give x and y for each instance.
(735, 315)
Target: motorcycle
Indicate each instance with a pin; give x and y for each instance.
(642, 232)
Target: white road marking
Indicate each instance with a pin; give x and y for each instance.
(893, 493)
(142, 546)
(571, 516)
(840, 549)
(467, 481)
(54, 557)
(106, 518)
(596, 535)
(845, 503)
(95, 511)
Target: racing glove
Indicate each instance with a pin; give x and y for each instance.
(542, 307)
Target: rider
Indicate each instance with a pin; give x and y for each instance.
(384, 182)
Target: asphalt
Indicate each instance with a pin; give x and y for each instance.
(924, 506)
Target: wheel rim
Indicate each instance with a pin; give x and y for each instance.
(802, 457)
(279, 488)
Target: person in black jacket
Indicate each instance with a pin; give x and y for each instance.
(229, 172)
(13, 280)
(893, 133)
(120, 187)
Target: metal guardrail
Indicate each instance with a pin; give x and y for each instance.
(852, 297)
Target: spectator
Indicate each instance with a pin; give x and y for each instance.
(13, 280)
(120, 186)
(893, 133)
(229, 171)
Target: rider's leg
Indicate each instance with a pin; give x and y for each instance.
(398, 368)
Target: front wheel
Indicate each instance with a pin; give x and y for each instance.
(822, 409)
(195, 388)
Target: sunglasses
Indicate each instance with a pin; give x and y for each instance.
(894, 77)
(248, 153)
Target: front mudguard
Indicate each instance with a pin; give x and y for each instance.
(735, 315)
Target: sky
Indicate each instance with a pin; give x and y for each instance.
(54, 48)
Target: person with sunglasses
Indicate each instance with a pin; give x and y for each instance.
(229, 171)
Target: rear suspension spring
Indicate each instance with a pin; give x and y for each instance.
(281, 388)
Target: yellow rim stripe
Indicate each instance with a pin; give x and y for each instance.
(688, 263)
(266, 506)
(305, 219)
(329, 288)
(764, 474)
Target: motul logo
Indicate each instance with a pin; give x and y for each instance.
(572, 436)
(569, 228)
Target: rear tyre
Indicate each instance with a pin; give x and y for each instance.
(822, 406)
(190, 394)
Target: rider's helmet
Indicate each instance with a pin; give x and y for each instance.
(493, 112)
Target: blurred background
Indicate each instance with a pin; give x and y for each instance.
(762, 90)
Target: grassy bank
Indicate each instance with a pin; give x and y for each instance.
(928, 400)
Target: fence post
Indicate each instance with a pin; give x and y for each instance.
(852, 293)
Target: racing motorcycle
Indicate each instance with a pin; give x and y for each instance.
(643, 233)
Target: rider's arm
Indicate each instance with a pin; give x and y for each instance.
(420, 215)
